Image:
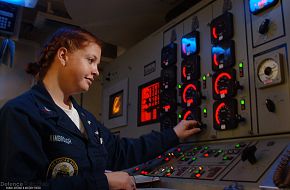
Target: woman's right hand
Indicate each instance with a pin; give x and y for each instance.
(120, 180)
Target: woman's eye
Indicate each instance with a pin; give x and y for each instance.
(90, 60)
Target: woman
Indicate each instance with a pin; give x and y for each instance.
(48, 140)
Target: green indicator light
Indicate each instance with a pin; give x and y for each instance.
(204, 110)
(179, 85)
(225, 158)
(238, 145)
(204, 77)
(183, 158)
(168, 170)
(220, 151)
(195, 148)
(241, 65)
(196, 171)
(179, 116)
(242, 102)
(205, 148)
(194, 158)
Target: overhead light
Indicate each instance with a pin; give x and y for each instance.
(22, 3)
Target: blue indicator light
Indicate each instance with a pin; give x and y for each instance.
(189, 46)
(23, 3)
(257, 6)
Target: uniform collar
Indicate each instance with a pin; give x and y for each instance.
(48, 109)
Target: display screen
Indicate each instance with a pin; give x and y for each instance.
(190, 44)
(257, 6)
(23, 3)
(116, 105)
(148, 102)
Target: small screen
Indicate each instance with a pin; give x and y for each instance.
(257, 6)
(148, 103)
(22, 3)
(116, 105)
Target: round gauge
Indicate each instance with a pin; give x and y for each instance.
(268, 71)
(190, 95)
(222, 84)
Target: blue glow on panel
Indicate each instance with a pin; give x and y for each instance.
(189, 46)
(219, 50)
(23, 3)
(257, 5)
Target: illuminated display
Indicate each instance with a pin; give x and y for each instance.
(225, 114)
(222, 28)
(257, 6)
(191, 94)
(190, 69)
(190, 44)
(148, 102)
(224, 84)
(23, 3)
(116, 105)
(223, 55)
(192, 114)
(169, 55)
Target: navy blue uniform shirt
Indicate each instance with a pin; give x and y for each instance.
(40, 145)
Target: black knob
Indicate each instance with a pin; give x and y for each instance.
(264, 27)
(268, 71)
(249, 154)
(270, 105)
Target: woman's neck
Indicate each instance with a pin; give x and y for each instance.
(58, 95)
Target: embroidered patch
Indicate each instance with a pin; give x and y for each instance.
(59, 138)
(62, 167)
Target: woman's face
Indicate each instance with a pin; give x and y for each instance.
(81, 68)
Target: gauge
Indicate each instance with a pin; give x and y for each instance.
(222, 28)
(169, 55)
(225, 114)
(192, 114)
(168, 100)
(191, 94)
(268, 71)
(169, 77)
(223, 55)
(190, 69)
(269, 68)
(224, 84)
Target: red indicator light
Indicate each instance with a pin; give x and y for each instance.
(137, 169)
(214, 33)
(205, 155)
(168, 174)
(178, 149)
(159, 157)
(197, 175)
(217, 112)
(166, 159)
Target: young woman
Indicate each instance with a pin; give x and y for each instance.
(48, 140)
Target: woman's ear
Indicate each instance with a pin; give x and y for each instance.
(62, 55)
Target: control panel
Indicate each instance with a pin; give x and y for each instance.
(222, 163)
